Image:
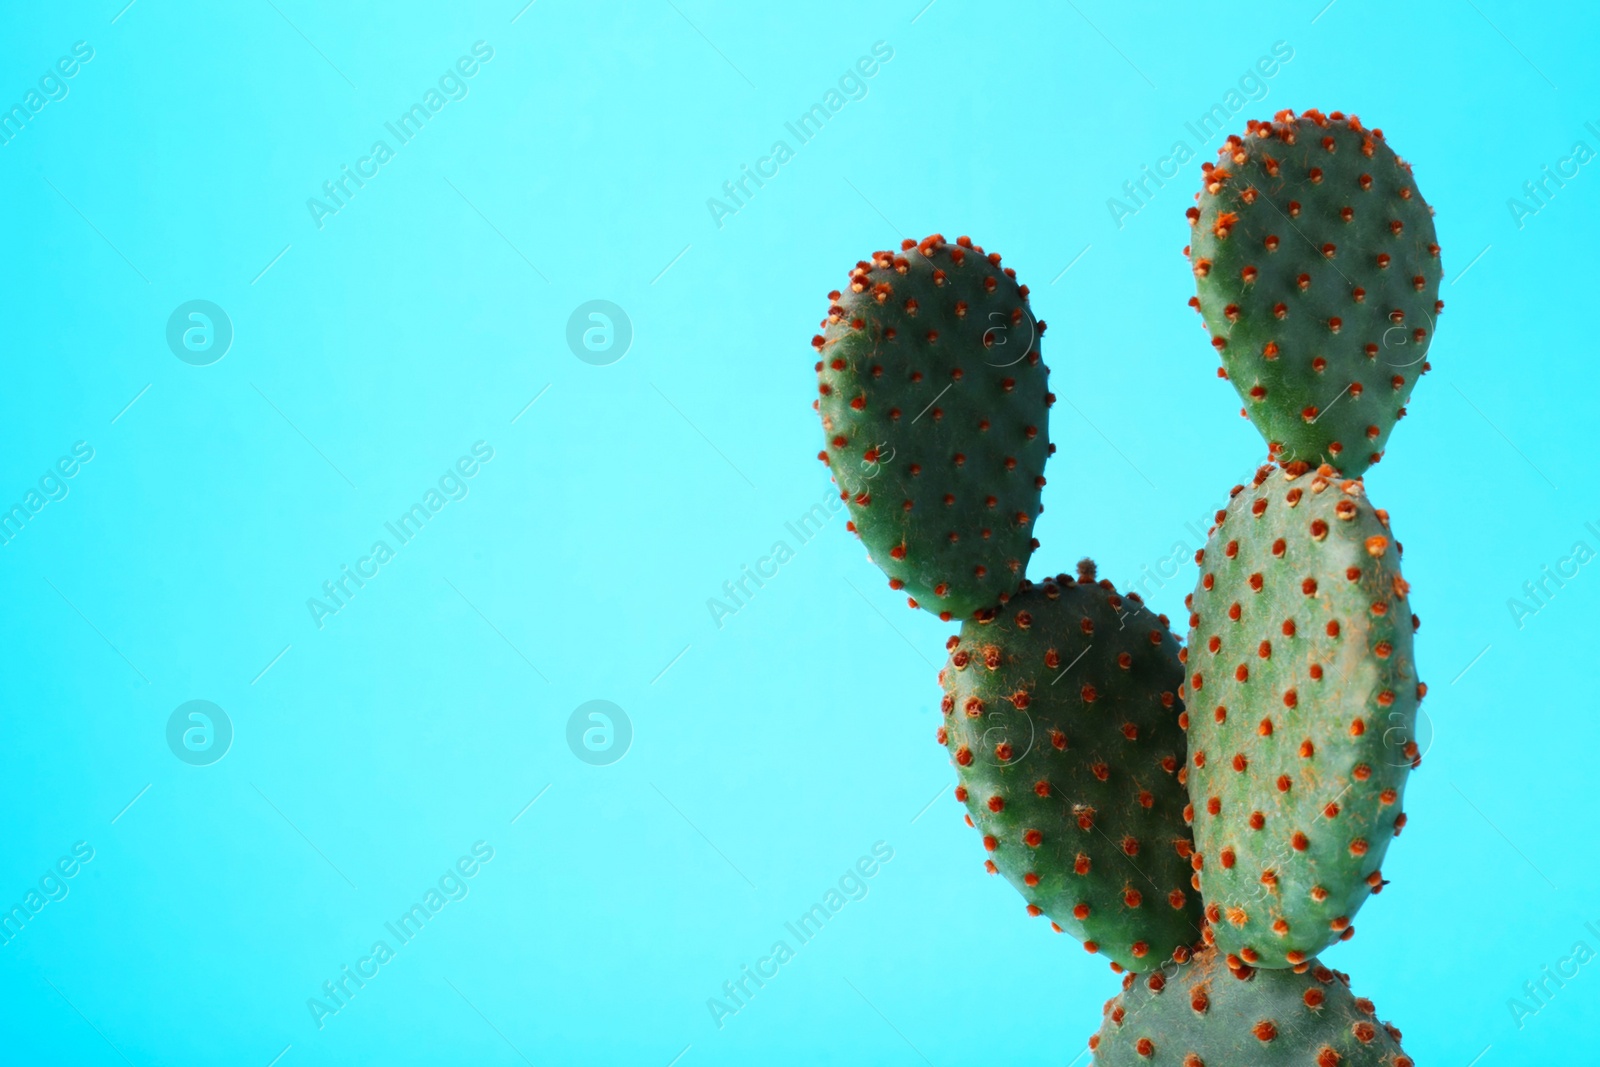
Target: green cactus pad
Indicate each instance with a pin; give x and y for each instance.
(1317, 272)
(935, 410)
(1302, 697)
(1201, 1014)
(1061, 714)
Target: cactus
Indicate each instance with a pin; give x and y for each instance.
(935, 409)
(1317, 273)
(1061, 713)
(1301, 696)
(1200, 1014)
(1237, 795)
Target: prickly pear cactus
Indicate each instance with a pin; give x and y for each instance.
(1302, 696)
(1317, 271)
(1201, 1014)
(1061, 714)
(935, 409)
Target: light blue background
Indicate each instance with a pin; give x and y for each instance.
(770, 753)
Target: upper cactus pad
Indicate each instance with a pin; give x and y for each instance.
(1317, 272)
(935, 409)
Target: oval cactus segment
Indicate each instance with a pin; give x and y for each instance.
(1302, 696)
(935, 411)
(1317, 272)
(1201, 1013)
(1062, 716)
